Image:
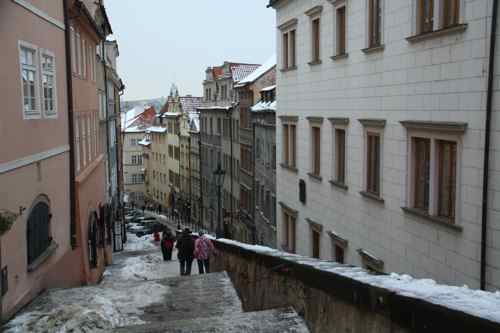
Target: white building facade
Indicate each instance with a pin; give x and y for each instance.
(381, 136)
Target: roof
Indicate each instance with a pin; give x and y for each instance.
(190, 103)
(269, 88)
(264, 106)
(134, 129)
(156, 129)
(215, 107)
(144, 142)
(257, 73)
(241, 71)
(140, 117)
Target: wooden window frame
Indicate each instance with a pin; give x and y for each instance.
(375, 23)
(289, 142)
(437, 134)
(339, 124)
(439, 19)
(289, 45)
(315, 150)
(373, 188)
(341, 32)
(316, 229)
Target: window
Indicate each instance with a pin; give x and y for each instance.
(73, 49)
(425, 15)
(450, 13)
(374, 22)
(170, 151)
(289, 145)
(340, 160)
(373, 163)
(48, 84)
(288, 44)
(177, 153)
(219, 126)
(316, 150)
(29, 76)
(316, 40)
(78, 54)
(339, 253)
(447, 160)
(92, 241)
(38, 236)
(77, 143)
(341, 30)
(315, 237)
(422, 155)
(289, 220)
(84, 59)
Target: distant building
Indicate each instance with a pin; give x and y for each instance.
(249, 93)
(220, 126)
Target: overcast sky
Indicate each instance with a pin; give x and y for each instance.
(165, 41)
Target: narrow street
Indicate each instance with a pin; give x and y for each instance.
(128, 286)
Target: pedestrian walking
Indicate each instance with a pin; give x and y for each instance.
(203, 248)
(185, 246)
(167, 244)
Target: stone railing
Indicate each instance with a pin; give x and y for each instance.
(342, 302)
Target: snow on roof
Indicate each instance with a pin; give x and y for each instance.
(144, 142)
(215, 107)
(269, 88)
(156, 129)
(264, 106)
(475, 302)
(133, 129)
(171, 114)
(241, 71)
(129, 116)
(257, 73)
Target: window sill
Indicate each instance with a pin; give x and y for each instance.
(340, 56)
(340, 185)
(434, 219)
(373, 49)
(437, 33)
(314, 63)
(372, 196)
(317, 178)
(288, 69)
(290, 168)
(43, 257)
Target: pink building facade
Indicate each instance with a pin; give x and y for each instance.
(35, 253)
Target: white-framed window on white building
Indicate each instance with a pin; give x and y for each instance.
(28, 60)
(433, 169)
(49, 90)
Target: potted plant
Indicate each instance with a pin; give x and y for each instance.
(7, 219)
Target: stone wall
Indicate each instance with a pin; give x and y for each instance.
(330, 302)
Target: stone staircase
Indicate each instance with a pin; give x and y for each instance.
(209, 303)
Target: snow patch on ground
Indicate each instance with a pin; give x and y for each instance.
(144, 243)
(475, 302)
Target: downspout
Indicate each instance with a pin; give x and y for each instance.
(69, 87)
(200, 176)
(486, 166)
(232, 167)
(189, 181)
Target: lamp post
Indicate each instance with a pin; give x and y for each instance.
(219, 182)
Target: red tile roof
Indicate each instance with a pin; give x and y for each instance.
(240, 71)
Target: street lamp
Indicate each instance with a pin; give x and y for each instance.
(219, 182)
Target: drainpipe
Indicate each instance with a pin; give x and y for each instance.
(71, 136)
(486, 166)
(200, 176)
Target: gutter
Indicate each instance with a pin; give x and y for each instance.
(69, 87)
(487, 144)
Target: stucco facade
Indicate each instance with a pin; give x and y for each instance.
(34, 166)
(409, 80)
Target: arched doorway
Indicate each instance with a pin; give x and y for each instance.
(38, 229)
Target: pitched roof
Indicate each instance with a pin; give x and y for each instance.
(139, 116)
(261, 70)
(190, 103)
(240, 71)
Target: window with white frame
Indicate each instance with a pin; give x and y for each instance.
(84, 58)
(49, 100)
(78, 53)
(434, 152)
(73, 49)
(28, 55)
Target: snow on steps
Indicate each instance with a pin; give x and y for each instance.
(270, 321)
(209, 303)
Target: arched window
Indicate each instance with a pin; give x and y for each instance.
(38, 229)
(92, 240)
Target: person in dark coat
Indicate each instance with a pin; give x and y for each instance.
(167, 244)
(185, 246)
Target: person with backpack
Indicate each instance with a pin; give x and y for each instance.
(203, 248)
(185, 246)
(167, 244)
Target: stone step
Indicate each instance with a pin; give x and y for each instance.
(195, 296)
(270, 321)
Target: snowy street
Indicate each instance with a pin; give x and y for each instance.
(128, 286)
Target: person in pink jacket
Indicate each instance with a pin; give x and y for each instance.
(203, 248)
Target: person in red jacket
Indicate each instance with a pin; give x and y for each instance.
(167, 244)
